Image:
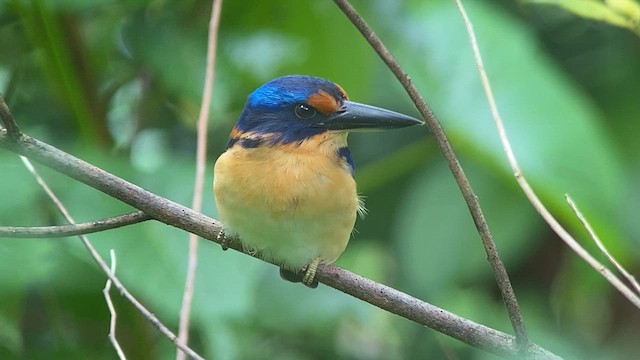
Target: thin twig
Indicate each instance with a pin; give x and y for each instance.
(159, 208)
(429, 315)
(174, 214)
(499, 271)
(73, 229)
(632, 280)
(201, 161)
(112, 309)
(524, 184)
(7, 119)
(105, 268)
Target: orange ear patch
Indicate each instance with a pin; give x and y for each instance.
(323, 102)
(235, 132)
(344, 93)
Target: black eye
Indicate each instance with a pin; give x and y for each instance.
(304, 111)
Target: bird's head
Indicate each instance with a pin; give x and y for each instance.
(293, 108)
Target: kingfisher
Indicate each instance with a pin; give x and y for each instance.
(284, 185)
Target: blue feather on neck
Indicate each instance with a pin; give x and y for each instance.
(345, 154)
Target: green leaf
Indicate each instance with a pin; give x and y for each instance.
(622, 13)
(557, 134)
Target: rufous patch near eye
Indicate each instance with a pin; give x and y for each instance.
(323, 102)
(235, 132)
(344, 93)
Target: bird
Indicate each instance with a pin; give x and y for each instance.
(285, 184)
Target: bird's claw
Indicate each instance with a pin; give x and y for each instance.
(223, 240)
(309, 277)
(251, 252)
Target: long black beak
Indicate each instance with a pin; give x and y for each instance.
(355, 116)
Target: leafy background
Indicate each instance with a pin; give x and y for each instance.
(118, 83)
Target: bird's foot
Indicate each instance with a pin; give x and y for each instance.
(309, 277)
(251, 252)
(306, 276)
(223, 239)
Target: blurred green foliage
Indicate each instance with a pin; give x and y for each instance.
(118, 83)
(623, 13)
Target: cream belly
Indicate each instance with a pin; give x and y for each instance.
(289, 204)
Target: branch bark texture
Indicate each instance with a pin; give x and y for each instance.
(184, 218)
(73, 229)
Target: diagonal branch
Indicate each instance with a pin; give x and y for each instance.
(429, 315)
(603, 249)
(184, 218)
(155, 206)
(73, 229)
(105, 268)
(531, 195)
(8, 120)
(500, 273)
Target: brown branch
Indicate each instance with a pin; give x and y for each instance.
(7, 119)
(105, 268)
(535, 201)
(155, 206)
(500, 273)
(73, 229)
(184, 218)
(429, 315)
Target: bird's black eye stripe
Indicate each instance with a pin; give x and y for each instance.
(304, 111)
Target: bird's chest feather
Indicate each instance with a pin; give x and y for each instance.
(291, 203)
(282, 182)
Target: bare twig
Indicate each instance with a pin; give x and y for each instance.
(112, 310)
(524, 184)
(500, 273)
(156, 206)
(73, 229)
(435, 318)
(184, 218)
(7, 119)
(201, 156)
(632, 280)
(103, 265)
